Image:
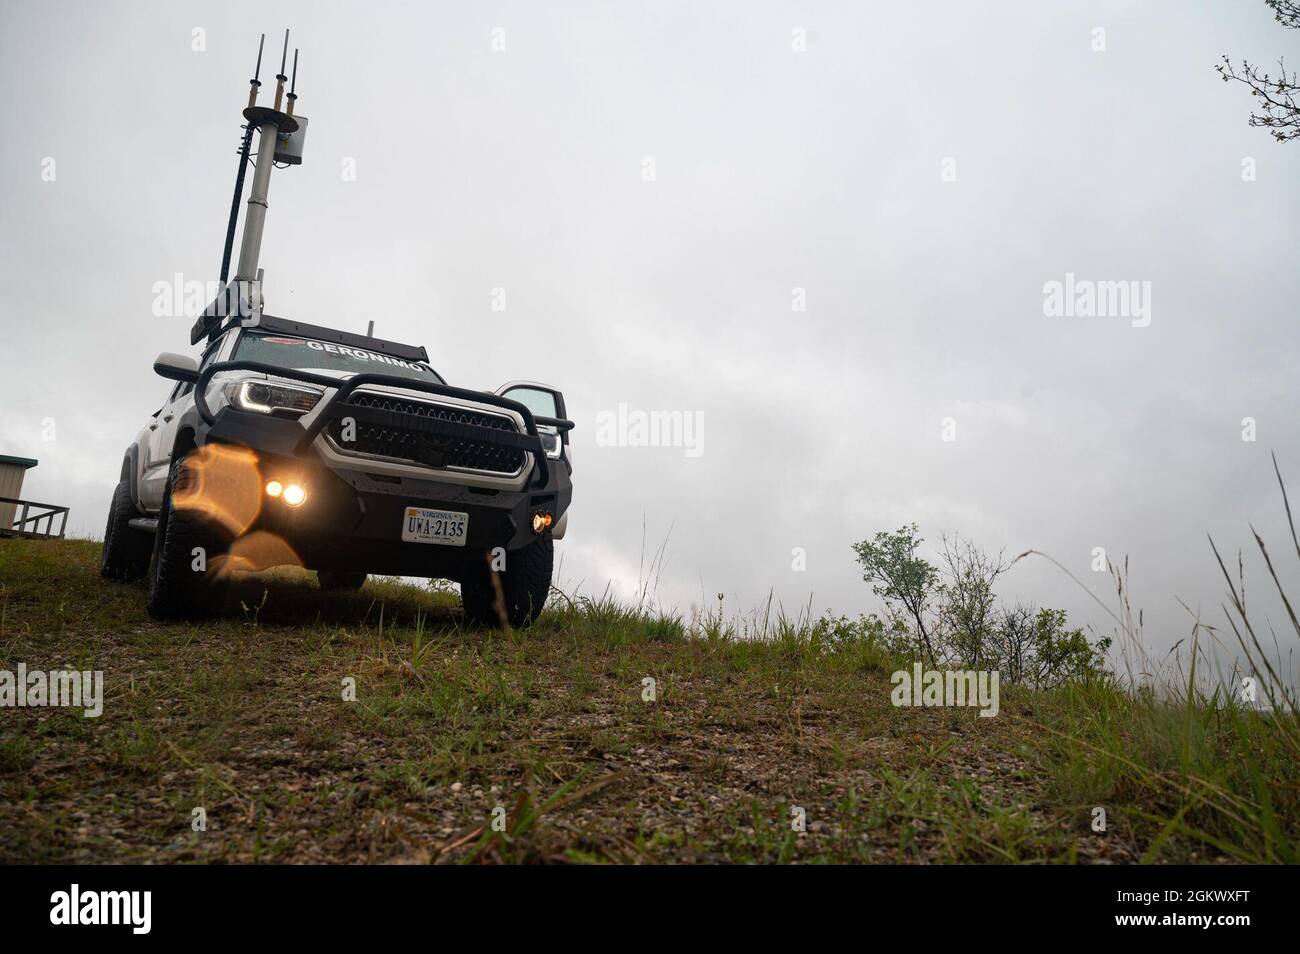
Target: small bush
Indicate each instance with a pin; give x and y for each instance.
(952, 616)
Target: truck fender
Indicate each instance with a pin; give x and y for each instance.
(187, 432)
(131, 473)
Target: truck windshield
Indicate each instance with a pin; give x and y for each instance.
(307, 354)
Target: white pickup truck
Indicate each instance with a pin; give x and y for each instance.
(289, 443)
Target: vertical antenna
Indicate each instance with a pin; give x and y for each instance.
(255, 82)
(280, 77)
(270, 125)
(293, 83)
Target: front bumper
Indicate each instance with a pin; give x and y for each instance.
(352, 517)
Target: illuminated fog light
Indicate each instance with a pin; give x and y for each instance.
(294, 495)
(274, 488)
(542, 522)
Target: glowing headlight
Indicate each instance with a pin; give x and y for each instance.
(266, 398)
(294, 495)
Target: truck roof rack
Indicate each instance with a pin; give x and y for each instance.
(394, 349)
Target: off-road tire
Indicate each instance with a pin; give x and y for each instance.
(126, 550)
(176, 589)
(525, 584)
(340, 580)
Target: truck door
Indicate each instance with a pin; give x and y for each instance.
(545, 402)
(158, 453)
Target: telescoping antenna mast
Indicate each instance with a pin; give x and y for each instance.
(280, 140)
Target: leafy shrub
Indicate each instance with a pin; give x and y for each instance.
(952, 615)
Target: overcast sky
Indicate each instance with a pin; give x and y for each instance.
(652, 184)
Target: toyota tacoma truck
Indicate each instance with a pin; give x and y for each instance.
(289, 443)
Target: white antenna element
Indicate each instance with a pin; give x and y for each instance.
(269, 123)
(242, 296)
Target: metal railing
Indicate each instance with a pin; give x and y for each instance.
(29, 524)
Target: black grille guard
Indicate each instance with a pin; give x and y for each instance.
(337, 406)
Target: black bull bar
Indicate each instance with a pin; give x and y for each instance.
(337, 407)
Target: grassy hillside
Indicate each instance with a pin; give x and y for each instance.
(245, 717)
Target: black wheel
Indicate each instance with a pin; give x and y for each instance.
(340, 580)
(126, 549)
(186, 544)
(523, 588)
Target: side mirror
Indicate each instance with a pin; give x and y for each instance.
(547, 405)
(176, 367)
(538, 398)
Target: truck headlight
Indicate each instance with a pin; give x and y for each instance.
(266, 398)
(551, 444)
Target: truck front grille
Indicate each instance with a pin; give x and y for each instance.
(397, 443)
